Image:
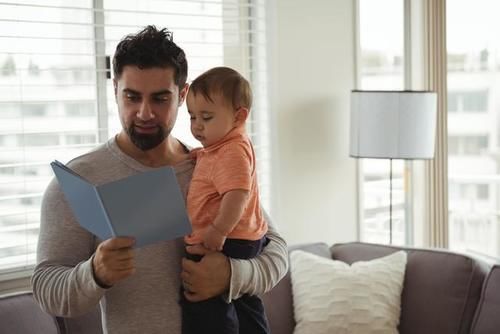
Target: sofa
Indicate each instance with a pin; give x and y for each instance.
(443, 292)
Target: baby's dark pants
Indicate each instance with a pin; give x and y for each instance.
(244, 315)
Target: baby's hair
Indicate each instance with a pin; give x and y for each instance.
(233, 87)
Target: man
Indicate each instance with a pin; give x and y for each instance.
(139, 288)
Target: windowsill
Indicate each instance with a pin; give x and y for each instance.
(14, 282)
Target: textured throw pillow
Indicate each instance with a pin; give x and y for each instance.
(332, 297)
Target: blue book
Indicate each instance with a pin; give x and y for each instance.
(148, 206)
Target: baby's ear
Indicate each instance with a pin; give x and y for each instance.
(241, 115)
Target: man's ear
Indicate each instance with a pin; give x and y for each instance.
(183, 94)
(115, 88)
(241, 116)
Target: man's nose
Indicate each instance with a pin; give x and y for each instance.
(145, 112)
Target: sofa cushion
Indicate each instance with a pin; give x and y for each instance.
(333, 297)
(487, 319)
(278, 302)
(441, 289)
(20, 313)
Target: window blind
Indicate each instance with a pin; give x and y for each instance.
(56, 95)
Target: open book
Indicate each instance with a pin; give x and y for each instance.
(148, 206)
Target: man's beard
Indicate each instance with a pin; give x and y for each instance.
(147, 142)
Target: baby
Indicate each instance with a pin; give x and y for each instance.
(223, 198)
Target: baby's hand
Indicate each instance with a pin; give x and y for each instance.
(213, 239)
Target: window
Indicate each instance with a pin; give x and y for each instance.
(57, 103)
(381, 68)
(475, 101)
(34, 110)
(467, 145)
(473, 127)
(80, 109)
(483, 192)
(37, 139)
(80, 139)
(472, 101)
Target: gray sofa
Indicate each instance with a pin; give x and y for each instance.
(443, 293)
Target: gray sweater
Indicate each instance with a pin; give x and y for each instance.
(146, 302)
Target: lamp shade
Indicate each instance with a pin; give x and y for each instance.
(393, 124)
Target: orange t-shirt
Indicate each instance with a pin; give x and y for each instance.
(224, 166)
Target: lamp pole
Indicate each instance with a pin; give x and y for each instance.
(390, 202)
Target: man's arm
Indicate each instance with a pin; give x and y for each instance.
(63, 281)
(233, 278)
(259, 275)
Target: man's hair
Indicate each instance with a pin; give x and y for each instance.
(232, 86)
(151, 48)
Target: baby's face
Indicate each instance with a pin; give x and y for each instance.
(210, 121)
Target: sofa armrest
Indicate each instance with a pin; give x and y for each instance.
(19, 313)
(487, 319)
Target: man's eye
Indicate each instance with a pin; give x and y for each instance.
(132, 97)
(161, 99)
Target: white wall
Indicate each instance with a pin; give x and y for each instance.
(312, 71)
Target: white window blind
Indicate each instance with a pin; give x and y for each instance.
(56, 97)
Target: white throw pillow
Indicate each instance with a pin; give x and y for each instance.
(332, 297)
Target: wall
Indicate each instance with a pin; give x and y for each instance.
(312, 70)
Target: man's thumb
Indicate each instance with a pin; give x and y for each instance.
(197, 249)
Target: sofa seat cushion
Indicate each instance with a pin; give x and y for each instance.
(487, 319)
(333, 297)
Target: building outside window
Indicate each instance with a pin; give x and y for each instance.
(474, 126)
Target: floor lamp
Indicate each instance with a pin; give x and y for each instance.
(393, 125)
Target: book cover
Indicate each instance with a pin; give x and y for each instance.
(148, 206)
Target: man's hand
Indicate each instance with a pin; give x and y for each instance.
(213, 239)
(113, 260)
(205, 279)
